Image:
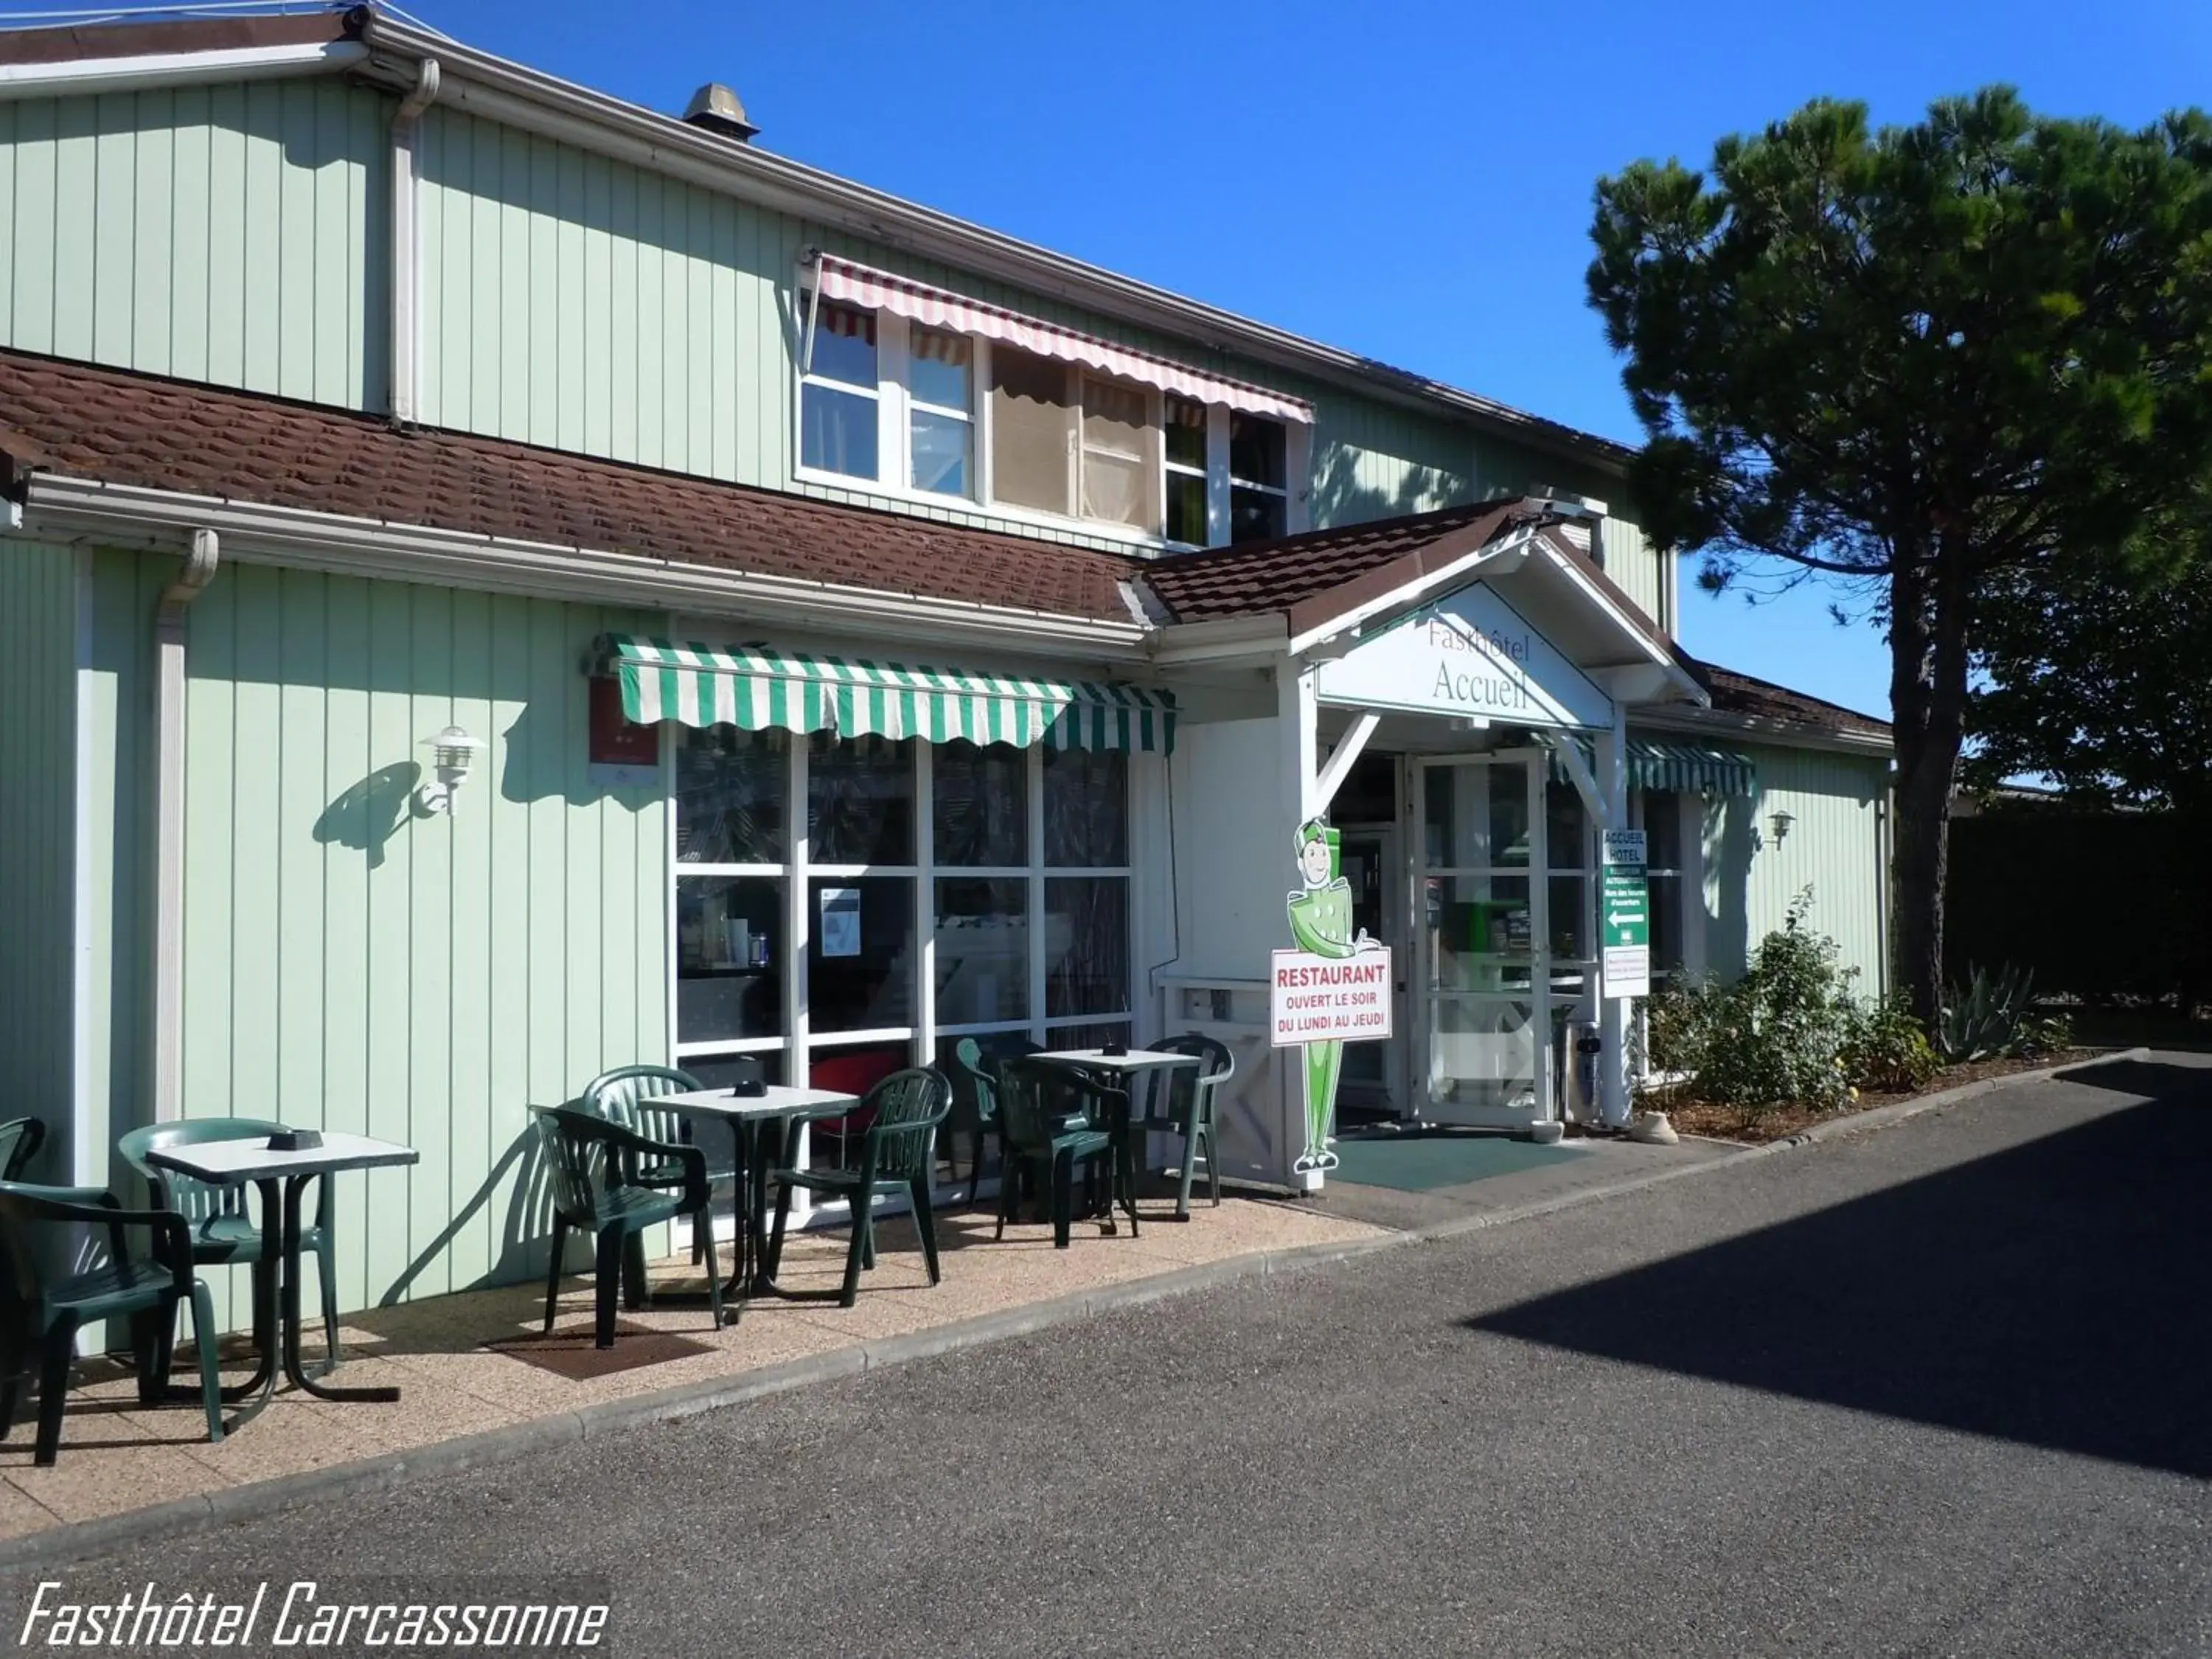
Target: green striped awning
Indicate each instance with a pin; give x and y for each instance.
(755, 689)
(1691, 767)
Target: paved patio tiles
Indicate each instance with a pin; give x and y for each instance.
(118, 1455)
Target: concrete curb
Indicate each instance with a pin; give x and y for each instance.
(76, 1541)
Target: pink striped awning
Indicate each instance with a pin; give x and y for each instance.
(880, 290)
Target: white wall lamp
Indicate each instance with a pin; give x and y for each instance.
(1780, 824)
(453, 755)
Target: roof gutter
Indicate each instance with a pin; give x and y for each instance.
(132, 515)
(532, 101)
(173, 69)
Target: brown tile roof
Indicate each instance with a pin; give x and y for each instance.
(1319, 574)
(1261, 579)
(164, 434)
(1751, 698)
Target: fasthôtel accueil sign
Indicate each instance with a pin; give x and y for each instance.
(1317, 998)
(1469, 654)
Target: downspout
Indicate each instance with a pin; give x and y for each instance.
(169, 818)
(406, 265)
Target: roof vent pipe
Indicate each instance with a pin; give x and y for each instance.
(716, 108)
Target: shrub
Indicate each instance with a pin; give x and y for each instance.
(1775, 1036)
(1888, 1050)
(1989, 1018)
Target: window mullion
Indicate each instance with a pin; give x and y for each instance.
(925, 905)
(1217, 475)
(894, 433)
(1037, 928)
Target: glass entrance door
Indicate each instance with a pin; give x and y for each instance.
(1483, 1055)
(1370, 1086)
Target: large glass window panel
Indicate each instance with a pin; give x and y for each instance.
(941, 447)
(983, 950)
(860, 953)
(1567, 836)
(1570, 919)
(1481, 932)
(939, 368)
(980, 805)
(1032, 432)
(838, 431)
(1482, 1052)
(1666, 955)
(1092, 1034)
(1185, 433)
(1254, 515)
(1477, 816)
(859, 800)
(732, 787)
(1258, 451)
(844, 346)
(729, 958)
(1186, 508)
(1118, 466)
(1086, 923)
(1662, 829)
(720, 1072)
(1086, 809)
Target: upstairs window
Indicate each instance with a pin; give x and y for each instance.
(1183, 471)
(1259, 479)
(839, 396)
(1032, 433)
(941, 421)
(932, 412)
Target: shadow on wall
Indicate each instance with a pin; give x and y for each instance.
(366, 814)
(1339, 496)
(1731, 836)
(524, 1230)
(2018, 1296)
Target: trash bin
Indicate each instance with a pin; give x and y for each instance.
(1579, 1047)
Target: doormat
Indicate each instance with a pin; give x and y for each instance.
(1419, 1162)
(574, 1353)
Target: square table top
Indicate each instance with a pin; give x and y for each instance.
(228, 1162)
(777, 1100)
(1137, 1060)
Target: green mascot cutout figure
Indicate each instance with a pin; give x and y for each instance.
(1321, 923)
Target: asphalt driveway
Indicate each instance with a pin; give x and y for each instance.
(1941, 1389)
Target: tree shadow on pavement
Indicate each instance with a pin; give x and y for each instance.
(2053, 1293)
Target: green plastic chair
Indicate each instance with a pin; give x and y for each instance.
(592, 1166)
(619, 1095)
(1185, 1107)
(1047, 1126)
(20, 1140)
(974, 1111)
(223, 1230)
(895, 1156)
(44, 1314)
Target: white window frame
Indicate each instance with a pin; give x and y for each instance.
(895, 405)
(797, 1042)
(806, 378)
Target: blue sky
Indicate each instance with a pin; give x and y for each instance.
(1408, 178)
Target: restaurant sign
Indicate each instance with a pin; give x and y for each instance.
(1332, 989)
(1469, 654)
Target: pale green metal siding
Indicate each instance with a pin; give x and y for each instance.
(349, 963)
(229, 234)
(589, 305)
(1835, 846)
(38, 861)
(1635, 568)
